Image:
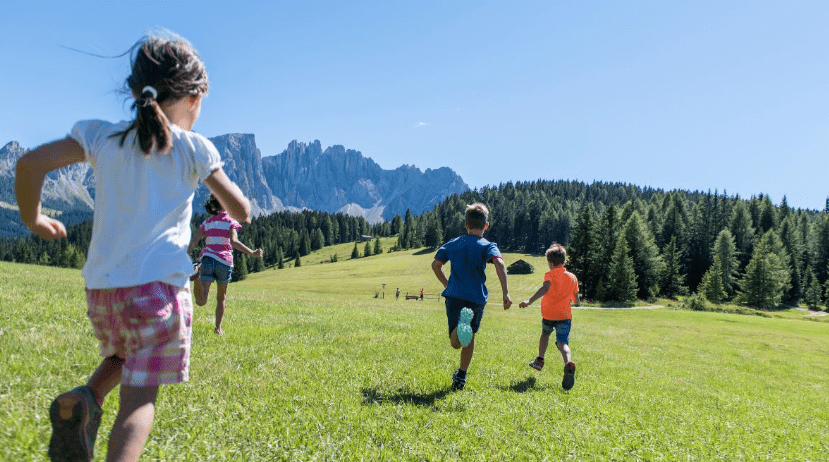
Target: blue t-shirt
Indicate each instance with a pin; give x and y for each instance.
(469, 255)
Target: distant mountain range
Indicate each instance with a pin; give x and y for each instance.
(302, 176)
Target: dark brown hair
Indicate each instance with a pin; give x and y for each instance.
(556, 254)
(169, 64)
(477, 216)
(212, 206)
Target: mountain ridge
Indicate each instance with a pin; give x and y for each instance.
(303, 176)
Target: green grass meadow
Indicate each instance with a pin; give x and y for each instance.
(317, 365)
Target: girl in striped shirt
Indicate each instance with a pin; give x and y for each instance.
(219, 233)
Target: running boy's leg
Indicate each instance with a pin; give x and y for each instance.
(221, 290)
(543, 341)
(466, 354)
(133, 423)
(565, 352)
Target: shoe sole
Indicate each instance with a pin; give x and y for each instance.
(464, 330)
(569, 376)
(69, 414)
(538, 368)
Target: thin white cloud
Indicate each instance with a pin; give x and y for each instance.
(422, 124)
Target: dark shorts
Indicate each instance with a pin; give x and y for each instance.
(453, 312)
(214, 270)
(562, 329)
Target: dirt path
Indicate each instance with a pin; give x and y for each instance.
(812, 313)
(649, 307)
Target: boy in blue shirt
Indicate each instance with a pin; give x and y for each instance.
(466, 292)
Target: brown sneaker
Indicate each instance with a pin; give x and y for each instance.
(537, 364)
(569, 376)
(75, 417)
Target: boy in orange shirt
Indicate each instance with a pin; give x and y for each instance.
(560, 287)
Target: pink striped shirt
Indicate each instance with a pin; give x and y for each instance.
(217, 231)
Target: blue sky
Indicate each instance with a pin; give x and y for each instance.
(726, 95)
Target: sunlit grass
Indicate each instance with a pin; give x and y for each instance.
(314, 367)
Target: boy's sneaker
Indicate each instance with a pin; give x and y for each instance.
(569, 376)
(537, 363)
(457, 382)
(75, 417)
(464, 329)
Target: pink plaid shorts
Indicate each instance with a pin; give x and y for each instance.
(149, 326)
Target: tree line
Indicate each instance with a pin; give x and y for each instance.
(283, 237)
(624, 242)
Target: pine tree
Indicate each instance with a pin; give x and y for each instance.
(583, 250)
(607, 239)
(711, 286)
(647, 262)
(813, 290)
(396, 224)
(280, 258)
(297, 261)
(434, 233)
(763, 283)
(367, 249)
(258, 265)
(743, 232)
(726, 250)
(673, 281)
(240, 267)
(698, 254)
(621, 282)
(317, 239)
(354, 252)
(304, 243)
(378, 249)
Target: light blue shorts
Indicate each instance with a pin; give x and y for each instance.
(214, 270)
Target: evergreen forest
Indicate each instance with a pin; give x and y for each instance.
(624, 242)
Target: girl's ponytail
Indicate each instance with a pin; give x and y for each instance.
(152, 126)
(163, 69)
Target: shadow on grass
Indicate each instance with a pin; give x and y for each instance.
(403, 396)
(522, 386)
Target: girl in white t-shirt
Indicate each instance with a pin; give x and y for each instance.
(137, 269)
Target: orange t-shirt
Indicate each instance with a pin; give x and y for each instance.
(555, 305)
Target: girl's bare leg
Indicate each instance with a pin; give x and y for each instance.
(221, 290)
(133, 423)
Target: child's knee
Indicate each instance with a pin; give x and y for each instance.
(545, 334)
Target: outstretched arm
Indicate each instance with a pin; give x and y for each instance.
(437, 267)
(30, 173)
(501, 269)
(229, 195)
(538, 294)
(234, 241)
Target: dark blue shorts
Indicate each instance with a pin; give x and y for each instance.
(214, 270)
(562, 329)
(453, 312)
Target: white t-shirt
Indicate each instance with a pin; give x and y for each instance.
(143, 205)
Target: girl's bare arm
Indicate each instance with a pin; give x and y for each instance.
(234, 241)
(30, 172)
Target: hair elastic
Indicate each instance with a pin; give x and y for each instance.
(150, 89)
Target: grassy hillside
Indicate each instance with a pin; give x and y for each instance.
(314, 367)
